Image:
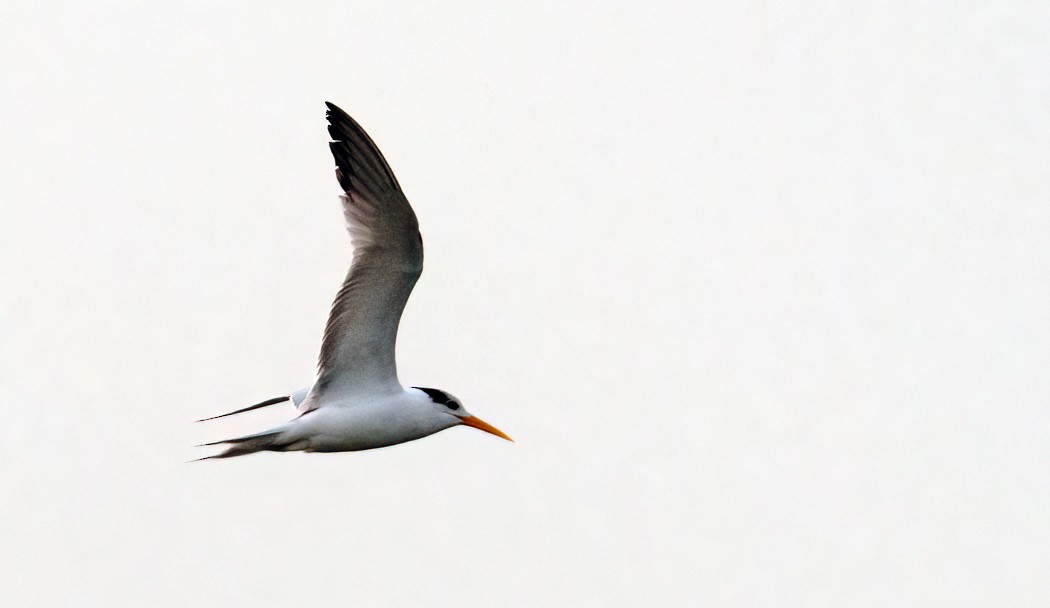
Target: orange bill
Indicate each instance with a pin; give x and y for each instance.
(480, 424)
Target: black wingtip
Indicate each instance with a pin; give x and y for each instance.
(361, 168)
(333, 111)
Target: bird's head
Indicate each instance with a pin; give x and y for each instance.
(447, 404)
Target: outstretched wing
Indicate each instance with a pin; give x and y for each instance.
(357, 354)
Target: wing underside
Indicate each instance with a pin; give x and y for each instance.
(357, 353)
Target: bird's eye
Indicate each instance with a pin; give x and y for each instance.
(452, 405)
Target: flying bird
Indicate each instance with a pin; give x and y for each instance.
(357, 401)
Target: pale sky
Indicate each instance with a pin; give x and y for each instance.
(760, 289)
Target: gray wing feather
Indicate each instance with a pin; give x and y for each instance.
(357, 353)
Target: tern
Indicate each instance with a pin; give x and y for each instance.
(357, 401)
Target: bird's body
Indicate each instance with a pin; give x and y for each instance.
(357, 402)
(385, 420)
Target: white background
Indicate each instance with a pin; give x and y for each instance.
(760, 288)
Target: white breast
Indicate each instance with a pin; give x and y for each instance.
(374, 424)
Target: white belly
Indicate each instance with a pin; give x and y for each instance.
(363, 427)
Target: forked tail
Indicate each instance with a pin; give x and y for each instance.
(280, 399)
(296, 398)
(270, 441)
